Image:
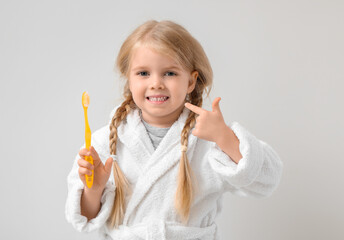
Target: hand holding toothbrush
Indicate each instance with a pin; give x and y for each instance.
(101, 172)
(90, 163)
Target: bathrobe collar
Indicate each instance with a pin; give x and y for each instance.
(133, 134)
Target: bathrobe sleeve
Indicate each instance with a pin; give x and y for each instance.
(75, 189)
(259, 171)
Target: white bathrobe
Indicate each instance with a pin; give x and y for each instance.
(150, 212)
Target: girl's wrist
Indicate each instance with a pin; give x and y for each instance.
(93, 191)
(229, 143)
(224, 134)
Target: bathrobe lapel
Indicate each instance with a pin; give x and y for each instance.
(159, 161)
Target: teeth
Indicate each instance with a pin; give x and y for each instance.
(160, 99)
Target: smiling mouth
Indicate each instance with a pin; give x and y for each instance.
(157, 99)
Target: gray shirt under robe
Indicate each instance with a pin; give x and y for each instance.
(156, 134)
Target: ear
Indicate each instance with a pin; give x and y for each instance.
(192, 82)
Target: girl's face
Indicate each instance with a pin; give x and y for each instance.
(159, 86)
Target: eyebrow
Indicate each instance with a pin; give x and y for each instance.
(166, 68)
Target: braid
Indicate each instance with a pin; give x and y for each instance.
(184, 193)
(122, 184)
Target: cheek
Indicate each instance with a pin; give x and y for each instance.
(180, 91)
(138, 91)
(134, 85)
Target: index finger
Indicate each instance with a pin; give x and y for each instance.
(84, 152)
(194, 108)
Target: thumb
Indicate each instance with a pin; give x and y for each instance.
(108, 165)
(215, 105)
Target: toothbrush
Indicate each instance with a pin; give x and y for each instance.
(85, 103)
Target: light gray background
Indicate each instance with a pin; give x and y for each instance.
(278, 66)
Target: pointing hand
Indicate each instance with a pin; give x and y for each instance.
(209, 124)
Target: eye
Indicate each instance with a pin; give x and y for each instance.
(170, 74)
(143, 73)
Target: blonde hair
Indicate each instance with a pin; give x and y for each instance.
(171, 39)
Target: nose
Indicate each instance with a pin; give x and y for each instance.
(157, 82)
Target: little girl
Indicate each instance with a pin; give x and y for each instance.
(172, 160)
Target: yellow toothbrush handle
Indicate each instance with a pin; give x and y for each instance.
(89, 179)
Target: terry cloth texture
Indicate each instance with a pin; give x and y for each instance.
(152, 173)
